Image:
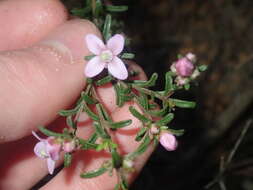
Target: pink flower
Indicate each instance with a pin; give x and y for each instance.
(168, 141)
(47, 149)
(106, 56)
(184, 67)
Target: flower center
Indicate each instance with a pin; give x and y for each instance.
(43, 153)
(106, 56)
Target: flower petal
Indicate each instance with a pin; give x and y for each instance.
(40, 150)
(94, 44)
(50, 165)
(116, 44)
(54, 151)
(168, 141)
(118, 69)
(94, 67)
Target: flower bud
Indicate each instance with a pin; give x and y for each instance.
(168, 141)
(191, 57)
(184, 67)
(154, 130)
(69, 146)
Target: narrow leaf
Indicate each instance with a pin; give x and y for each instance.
(86, 145)
(94, 173)
(67, 159)
(181, 103)
(88, 99)
(202, 68)
(120, 124)
(107, 27)
(159, 113)
(138, 115)
(179, 132)
(127, 56)
(165, 120)
(168, 83)
(142, 147)
(104, 80)
(92, 115)
(116, 158)
(113, 8)
(141, 133)
(88, 57)
(93, 138)
(70, 122)
(66, 113)
(149, 83)
(100, 131)
(50, 133)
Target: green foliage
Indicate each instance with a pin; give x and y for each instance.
(94, 173)
(67, 159)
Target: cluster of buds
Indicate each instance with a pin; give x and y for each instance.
(185, 69)
(166, 139)
(50, 149)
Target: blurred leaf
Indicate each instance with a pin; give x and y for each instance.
(89, 57)
(88, 99)
(70, 122)
(120, 124)
(181, 103)
(165, 120)
(178, 132)
(86, 145)
(141, 133)
(66, 113)
(91, 114)
(113, 8)
(127, 56)
(116, 158)
(142, 147)
(67, 159)
(104, 80)
(168, 83)
(94, 173)
(107, 27)
(149, 83)
(138, 115)
(202, 68)
(100, 131)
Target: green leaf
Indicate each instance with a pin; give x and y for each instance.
(81, 12)
(116, 187)
(86, 145)
(143, 100)
(92, 115)
(149, 83)
(168, 83)
(100, 131)
(165, 120)
(187, 86)
(202, 68)
(94, 173)
(88, 99)
(104, 80)
(93, 138)
(124, 185)
(66, 113)
(120, 124)
(142, 148)
(127, 56)
(138, 115)
(97, 8)
(181, 103)
(116, 158)
(107, 27)
(50, 133)
(141, 133)
(89, 57)
(159, 113)
(179, 132)
(103, 113)
(70, 122)
(67, 159)
(113, 8)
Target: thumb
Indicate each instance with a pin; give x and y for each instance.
(39, 81)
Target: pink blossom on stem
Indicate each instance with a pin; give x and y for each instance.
(47, 149)
(168, 141)
(106, 56)
(184, 67)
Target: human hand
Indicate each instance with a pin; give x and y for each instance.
(41, 72)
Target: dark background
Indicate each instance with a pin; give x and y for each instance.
(220, 33)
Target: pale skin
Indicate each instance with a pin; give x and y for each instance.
(41, 72)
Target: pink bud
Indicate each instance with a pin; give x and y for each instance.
(168, 141)
(191, 57)
(184, 67)
(69, 146)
